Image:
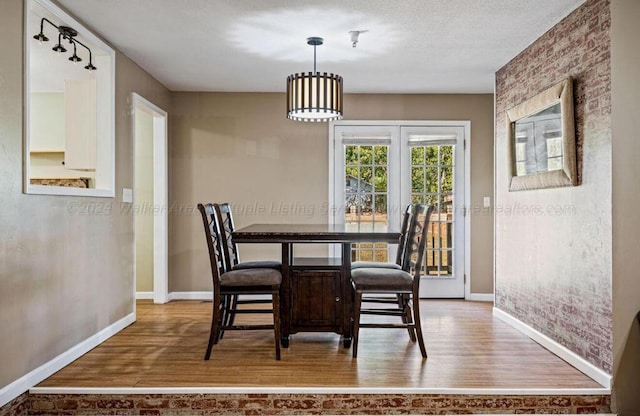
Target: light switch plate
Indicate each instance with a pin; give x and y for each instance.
(127, 195)
(486, 201)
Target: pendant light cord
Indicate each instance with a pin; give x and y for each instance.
(314, 59)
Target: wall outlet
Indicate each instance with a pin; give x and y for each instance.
(486, 201)
(127, 195)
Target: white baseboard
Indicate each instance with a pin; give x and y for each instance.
(207, 296)
(24, 383)
(480, 297)
(561, 351)
(190, 296)
(144, 295)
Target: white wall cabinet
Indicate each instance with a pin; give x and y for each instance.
(80, 124)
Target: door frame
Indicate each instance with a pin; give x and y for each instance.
(465, 124)
(160, 197)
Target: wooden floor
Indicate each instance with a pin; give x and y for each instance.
(467, 347)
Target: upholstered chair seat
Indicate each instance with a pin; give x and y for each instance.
(251, 277)
(260, 264)
(384, 280)
(375, 264)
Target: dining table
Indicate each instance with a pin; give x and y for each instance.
(316, 293)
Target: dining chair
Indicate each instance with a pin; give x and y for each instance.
(404, 283)
(406, 219)
(229, 283)
(231, 256)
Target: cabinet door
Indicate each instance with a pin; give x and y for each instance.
(80, 124)
(316, 299)
(46, 122)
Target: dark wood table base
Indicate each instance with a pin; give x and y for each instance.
(316, 293)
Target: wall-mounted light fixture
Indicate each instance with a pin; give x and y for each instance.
(69, 34)
(312, 96)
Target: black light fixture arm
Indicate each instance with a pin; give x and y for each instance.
(82, 44)
(44, 19)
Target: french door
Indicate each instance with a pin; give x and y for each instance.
(376, 170)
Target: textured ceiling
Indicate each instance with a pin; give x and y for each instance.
(412, 46)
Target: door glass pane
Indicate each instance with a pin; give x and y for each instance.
(417, 179)
(351, 155)
(446, 155)
(366, 155)
(380, 209)
(436, 187)
(417, 155)
(431, 179)
(380, 155)
(380, 179)
(433, 235)
(445, 207)
(366, 196)
(431, 199)
(446, 179)
(447, 262)
(366, 176)
(351, 211)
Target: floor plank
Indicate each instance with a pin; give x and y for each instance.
(467, 347)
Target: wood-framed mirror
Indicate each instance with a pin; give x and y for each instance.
(541, 135)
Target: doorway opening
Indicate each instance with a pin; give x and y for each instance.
(150, 209)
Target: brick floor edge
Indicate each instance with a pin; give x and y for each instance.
(306, 404)
(16, 407)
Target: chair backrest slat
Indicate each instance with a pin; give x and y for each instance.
(416, 240)
(225, 220)
(212, 234)
(404, 227)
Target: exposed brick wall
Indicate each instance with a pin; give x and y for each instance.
(554, 273)
(306, 404)
(16, 407)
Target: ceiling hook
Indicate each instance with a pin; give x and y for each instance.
(354, 36)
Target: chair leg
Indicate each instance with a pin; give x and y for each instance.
(275, 299)
(232, 309)
(215, 326)
(357, 304)
(224, 316)
(418, 324)
(403, 301)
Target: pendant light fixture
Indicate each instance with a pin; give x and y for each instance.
(314, 96)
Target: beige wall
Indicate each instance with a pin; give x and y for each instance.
(241, 148)
(625, 155)
(143, 200)
(64, 276)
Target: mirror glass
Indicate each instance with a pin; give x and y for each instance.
(538, 142)
(69, 113)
